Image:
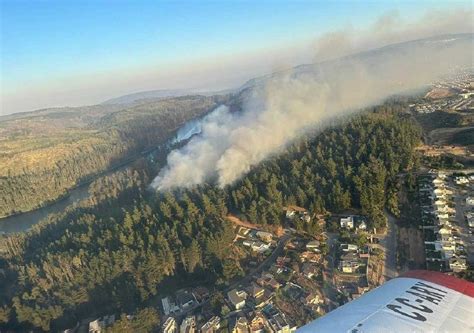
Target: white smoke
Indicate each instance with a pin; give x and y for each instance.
(287, 105)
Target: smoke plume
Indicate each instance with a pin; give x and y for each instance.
(284, 106)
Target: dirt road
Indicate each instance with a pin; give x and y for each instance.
(389, 244)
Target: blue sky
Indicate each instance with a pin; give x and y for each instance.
(42, 41)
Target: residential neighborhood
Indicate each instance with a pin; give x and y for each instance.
(282, 291)
(292, 278)
(446, 215)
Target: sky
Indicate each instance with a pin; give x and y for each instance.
(70, 53)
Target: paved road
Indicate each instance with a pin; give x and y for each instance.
(389, 243)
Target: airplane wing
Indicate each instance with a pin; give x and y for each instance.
(419, 301)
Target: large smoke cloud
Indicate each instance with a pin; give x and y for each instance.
(285, 106)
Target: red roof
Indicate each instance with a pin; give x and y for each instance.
(448, 281)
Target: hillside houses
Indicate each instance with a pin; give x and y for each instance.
(295, 212)
(347, 222)
(256, 246)
(258, 241)
(260, 303)
(349, 248)
(277, 320)
(353, 222)
(237, 298)
(349, 262)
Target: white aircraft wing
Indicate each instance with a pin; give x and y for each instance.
(419, 301)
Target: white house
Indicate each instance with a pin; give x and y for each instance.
(445, 234)
(237, 298)
(349, 248)
(347, 222)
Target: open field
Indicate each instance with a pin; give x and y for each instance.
(411, 248)
(452, 136)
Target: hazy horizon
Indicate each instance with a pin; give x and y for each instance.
(87, 64)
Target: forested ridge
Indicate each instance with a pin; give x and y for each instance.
(42, 157)
(123, 246)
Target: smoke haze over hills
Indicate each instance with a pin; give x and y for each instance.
(284, 106)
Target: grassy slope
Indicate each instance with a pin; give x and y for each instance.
(44, 143)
